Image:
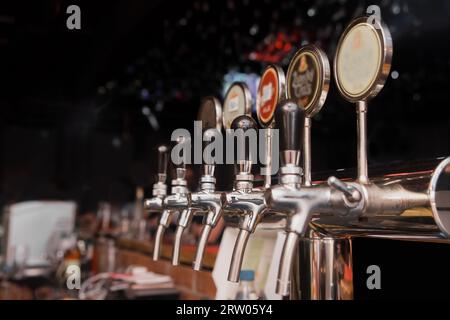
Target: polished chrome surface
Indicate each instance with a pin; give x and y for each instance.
(350, 192)
(363, 171)
(287, 260)
(394, 206)
(250, 207)
(439, 191)
(164, 222)
(269, 150)
(197, 264)
(325, 266)
(159, 188)
(183, 222)
(307, 152)
(176, 202)
(238, 255)
(208, 202)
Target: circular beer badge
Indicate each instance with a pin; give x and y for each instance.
(308, 78)
(358, 60)
(363, 59)
(237, 102)
(210, 113)
(270, 90)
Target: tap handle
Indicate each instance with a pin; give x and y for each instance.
(163, 158)
(350, 192)
(245, 123)
(290, 119)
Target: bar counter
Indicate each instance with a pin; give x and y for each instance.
(191, 284)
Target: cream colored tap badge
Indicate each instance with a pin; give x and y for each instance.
(237, 102)
(363, 59)
(270, 90)
(359, 59)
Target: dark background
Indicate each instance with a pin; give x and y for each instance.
(72, 102)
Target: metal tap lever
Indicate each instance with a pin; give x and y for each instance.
(174, 202)
(207, 185)
(163, 158)
(289, 118)
(252, 205)
(159, 187)
(351, 193)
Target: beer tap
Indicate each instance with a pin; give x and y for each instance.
(308, 79)
(244, 201)
(271, 90)
(238, 101)
(175, 202)
(206, 200)
(347, 201)
(209, 201)
(299, 203)
(155, 204)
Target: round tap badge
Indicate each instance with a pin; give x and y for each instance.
(210, 113)
(308, 78)
(363, 59)
(271, 90)
(237, 102)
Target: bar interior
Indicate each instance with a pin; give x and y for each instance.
(229, 150)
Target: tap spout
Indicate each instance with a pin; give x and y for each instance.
(238, 255)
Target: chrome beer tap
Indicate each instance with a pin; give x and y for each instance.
(155, 204)
(244, 201)
(206, 200)
(237, 102)
(175, 202)
(296, 202)
(362, 198)
(308, 79)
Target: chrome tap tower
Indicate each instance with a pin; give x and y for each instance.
(321, 219)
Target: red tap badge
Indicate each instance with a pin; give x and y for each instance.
(268, 95)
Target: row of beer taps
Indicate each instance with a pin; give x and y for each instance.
(295, 199)
(290, 198)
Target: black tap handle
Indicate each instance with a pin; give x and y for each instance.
(163, 157)
(290, 120)
(245, 123)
